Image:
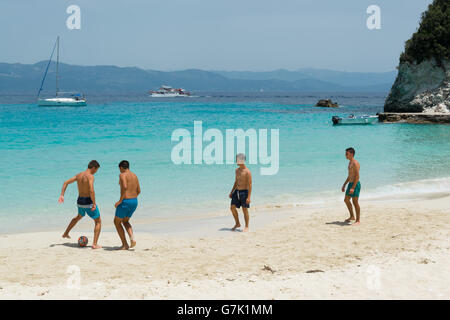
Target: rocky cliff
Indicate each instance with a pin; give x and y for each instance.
(423, 80)
(423, 87)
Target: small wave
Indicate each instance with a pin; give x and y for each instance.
(420, 189)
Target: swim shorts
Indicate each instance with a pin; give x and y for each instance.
(84, 205)
(355, 193)
(126, 208)
(239, 198)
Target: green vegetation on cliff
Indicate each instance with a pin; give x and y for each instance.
(432, 39)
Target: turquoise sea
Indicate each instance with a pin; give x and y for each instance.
(42, 147)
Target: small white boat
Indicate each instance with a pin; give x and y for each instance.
(354, 120)
(71, 100)
(169, 92)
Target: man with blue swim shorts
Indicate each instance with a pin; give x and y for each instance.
(354, 187)
(86, 200)
(125, 207)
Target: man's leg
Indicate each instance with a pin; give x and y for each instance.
(236, 217)
(127, 225)
(119, 228)
(350, 208)
(357, 209)
(97, 228)
(246, 218)
(71, 225)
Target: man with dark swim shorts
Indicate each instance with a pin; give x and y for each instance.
(125, 207)
(86, 200)
(241, 192)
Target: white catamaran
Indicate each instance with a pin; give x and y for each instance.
(62, 99)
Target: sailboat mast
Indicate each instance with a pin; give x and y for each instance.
(57, 65)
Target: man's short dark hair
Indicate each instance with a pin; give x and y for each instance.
(124, 164)
(93, 164)
(351, 150)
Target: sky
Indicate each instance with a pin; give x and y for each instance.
(244, 35)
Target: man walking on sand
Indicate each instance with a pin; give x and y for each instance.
(86, 200)
(354, 187)
(241, 192)
(129, 191)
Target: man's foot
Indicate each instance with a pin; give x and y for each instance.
(237, 225)
(357, 223)
(96, 246)
(133, 243)
(245, 229)
(124, 248)
(350, 219)
(66, 235)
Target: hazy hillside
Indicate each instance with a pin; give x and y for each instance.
(27, 78)
(348, 79)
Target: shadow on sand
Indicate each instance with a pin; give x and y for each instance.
(229, 229)
(339, 223)
(68, 244)
(116, 248)
(75, 245)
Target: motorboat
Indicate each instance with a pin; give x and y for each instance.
(352, 119)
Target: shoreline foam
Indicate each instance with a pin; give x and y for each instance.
(411, 190)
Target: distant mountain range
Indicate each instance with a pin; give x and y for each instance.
(16, 77)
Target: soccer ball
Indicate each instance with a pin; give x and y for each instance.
(82, 241)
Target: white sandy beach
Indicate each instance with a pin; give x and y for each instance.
(400, 251)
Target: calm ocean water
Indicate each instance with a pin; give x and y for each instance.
(42, 147)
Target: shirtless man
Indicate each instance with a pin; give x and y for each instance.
(86, 200)
(354, 186)
(129, 190)
(241, 192)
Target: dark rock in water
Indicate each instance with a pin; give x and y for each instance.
(327, 103)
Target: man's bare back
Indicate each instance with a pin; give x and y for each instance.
(130, 180)
(242, 178)
(83, 182)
